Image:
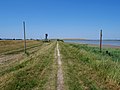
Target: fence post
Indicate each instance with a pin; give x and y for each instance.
(100, 40)
(24, 37)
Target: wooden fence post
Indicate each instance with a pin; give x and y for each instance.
(24, 37)
(100, 40)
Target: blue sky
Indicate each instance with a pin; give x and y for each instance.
(60, 18)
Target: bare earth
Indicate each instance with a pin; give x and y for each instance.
(60, 82)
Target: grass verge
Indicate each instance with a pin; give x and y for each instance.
(87, 69)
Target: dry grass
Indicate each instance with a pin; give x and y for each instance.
(33, 72)
(10, 45)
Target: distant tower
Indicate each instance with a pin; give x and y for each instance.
(46, 35)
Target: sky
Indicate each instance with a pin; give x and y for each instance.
(60, 18)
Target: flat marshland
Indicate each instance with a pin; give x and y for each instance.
(83, 66)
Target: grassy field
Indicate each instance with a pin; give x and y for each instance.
(14, 46)
(83, 66)
(31, 72)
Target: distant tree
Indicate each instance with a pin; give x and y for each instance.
(60, 40)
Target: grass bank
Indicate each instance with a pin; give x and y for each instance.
(85, 68)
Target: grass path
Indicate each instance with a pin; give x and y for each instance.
(60, 82)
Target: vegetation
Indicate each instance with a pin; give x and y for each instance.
(12, 46)
(86, 68)
(83, 66)
(32, 72)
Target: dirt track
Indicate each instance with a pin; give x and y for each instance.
(60, 82)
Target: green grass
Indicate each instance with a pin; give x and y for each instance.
(114, 53)
(86, 68)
